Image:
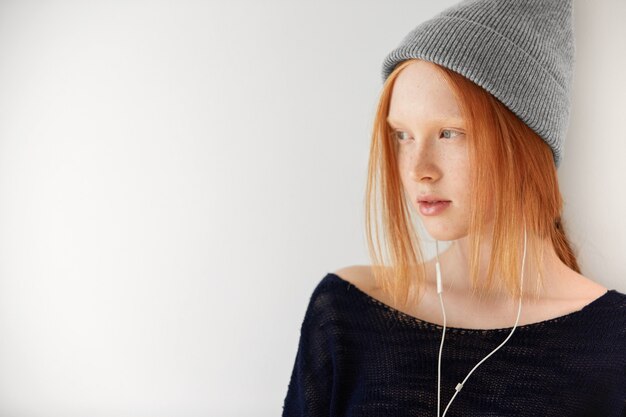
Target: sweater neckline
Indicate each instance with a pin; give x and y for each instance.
(537, 325)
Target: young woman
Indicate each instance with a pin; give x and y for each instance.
(467, 140)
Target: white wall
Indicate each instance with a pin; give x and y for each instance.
(177, 176)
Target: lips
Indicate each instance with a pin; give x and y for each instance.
(431, 199)
(433, 208)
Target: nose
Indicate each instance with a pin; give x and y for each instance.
(423, 165)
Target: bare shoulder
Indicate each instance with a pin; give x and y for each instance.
(567, 292)
(360, 276)
(584, 288)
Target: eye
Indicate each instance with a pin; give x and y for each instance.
(399, 135)
(447, 132)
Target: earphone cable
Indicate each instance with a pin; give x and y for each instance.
(439, 291)
(460, 385)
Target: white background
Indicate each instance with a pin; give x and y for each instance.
(177, 176)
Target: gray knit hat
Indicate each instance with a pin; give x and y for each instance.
(520, 51)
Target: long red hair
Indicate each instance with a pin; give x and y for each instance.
(512, 169)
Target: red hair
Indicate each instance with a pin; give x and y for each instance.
(512, 168)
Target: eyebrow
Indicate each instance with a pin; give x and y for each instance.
(445, 119)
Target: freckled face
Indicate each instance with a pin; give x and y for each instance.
(432, 147)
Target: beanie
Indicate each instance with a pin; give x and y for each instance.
(520, 51)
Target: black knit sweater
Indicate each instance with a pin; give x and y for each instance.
(360, 357)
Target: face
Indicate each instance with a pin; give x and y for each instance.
(433, 158)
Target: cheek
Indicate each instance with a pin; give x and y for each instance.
(402, 164)
(461, 188)
(461, 182)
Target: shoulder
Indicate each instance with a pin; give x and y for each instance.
(333, 301)
(329, 295)
(363, 278)
(336, 286)
(617, 303)
(607, 321)
(360, 276)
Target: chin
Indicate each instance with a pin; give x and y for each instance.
(445, 234)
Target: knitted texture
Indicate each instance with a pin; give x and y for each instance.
(521, 51)
(360, 357)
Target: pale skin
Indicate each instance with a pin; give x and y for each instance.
(433, 159)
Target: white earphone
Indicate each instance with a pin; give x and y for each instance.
(439, 291)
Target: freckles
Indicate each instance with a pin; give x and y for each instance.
(404, 169)
(460, 162)
(403, 158)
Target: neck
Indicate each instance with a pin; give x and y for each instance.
(455, 264)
